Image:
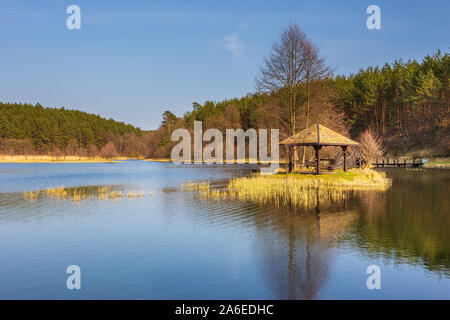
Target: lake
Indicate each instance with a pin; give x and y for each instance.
(174, 244)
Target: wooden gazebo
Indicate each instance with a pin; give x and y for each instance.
(319, 136)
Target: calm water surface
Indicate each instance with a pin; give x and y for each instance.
(177, 245)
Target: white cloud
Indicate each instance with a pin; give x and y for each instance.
(233, 44)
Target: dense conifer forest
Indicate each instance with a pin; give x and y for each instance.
(28, 129)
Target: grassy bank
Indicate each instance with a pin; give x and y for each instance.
(438, 163)
(354, 179)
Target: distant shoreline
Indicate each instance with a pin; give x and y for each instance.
(53, 159)
(442, 163)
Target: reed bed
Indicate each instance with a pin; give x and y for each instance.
(295, 190)
(193, 186)
(79, 194)
(31, 195)
(355, 179)
(285, 193)
(305, 190)
(205, 190)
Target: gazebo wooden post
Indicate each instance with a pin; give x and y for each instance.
(344, 150)
(317, 149)
(290, 158)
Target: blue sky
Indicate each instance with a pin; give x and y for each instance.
(132, 60)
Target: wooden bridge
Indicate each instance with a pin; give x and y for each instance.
(400, 162)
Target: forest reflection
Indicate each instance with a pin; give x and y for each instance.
(409, 223)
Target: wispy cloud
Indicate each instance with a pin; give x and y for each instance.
(233, 44)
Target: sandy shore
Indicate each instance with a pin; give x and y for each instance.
(206, 162)
(50, 159)
(439, 163)
(157, 160)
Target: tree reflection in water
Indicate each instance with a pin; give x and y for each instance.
(295, 248)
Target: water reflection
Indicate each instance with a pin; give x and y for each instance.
(410, 222)
(177, 245)
(295, 248)
(407, 224)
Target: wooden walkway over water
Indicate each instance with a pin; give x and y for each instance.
(400, 162)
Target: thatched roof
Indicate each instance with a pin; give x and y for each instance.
(318, 135)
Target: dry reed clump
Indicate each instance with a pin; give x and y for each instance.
(72, 194)
(31, 195)
(205, 190)
(58, 192)
(103, 193)
(133, 194)
(192, 186)
(285, 192)
(115, 195)
(216, 194)
(79, 194)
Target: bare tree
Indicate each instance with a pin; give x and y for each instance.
(314, 70)
(289, 72)
(92, 150)
(108, 151)
(283, 73)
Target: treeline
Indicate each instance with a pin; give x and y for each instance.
(257, 111)
(406, 103)
(27, 129)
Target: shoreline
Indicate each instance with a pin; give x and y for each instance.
(53, 159)
(439, 163)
